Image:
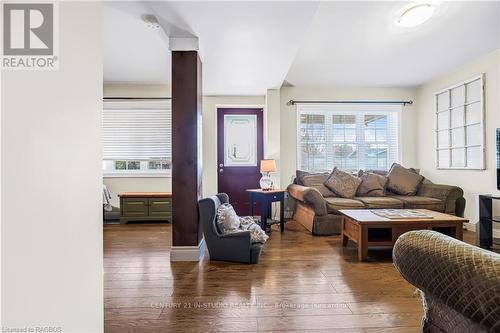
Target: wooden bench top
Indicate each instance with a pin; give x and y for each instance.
(145, 195)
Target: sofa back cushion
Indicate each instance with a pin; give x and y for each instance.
(342, 183)
(317, 181)
(300, 174)
(403, 181)
(372, 184)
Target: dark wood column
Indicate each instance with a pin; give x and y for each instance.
(186, 147)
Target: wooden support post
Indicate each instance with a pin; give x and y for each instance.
(187, 155)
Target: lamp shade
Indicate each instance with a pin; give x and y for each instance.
(267, 166)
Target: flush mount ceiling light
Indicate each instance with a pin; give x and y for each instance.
(415, 15)
(151, 21)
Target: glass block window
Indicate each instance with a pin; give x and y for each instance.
(460, 126)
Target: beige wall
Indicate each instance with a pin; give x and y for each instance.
(288, 120)
(472, 181)
(117, 185)
(52, 254)
(136, 90)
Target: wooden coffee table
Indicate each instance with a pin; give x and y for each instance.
(367, 229)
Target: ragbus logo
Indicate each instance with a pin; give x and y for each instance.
(30, 36)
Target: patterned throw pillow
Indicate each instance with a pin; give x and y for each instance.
(229, 222)
(372, 184)
(227, 219)
(317, 181)
(343, 183)
(403, 181)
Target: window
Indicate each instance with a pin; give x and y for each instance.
(460, 126)
(347, 136)
(137, 138)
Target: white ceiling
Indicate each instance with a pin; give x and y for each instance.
(133, 53)
(357, 43)
(248, 47)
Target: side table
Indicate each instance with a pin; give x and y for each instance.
(266, 198)
(484, 227)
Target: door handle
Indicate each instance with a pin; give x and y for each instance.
(221, 170)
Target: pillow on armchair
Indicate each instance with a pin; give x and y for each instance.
(403, 181)
(229, 222)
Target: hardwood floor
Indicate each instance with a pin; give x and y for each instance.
(303, 283)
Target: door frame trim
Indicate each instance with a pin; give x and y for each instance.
(237, 106)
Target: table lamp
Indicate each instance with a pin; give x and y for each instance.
(267, 166)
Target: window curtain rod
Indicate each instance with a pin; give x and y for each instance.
(293, 102)
(136, 98)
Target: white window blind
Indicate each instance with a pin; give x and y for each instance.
(137, 131)
(347, 136)
(460, 126)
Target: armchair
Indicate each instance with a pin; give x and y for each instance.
(236, 247)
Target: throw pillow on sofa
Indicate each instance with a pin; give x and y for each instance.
(317, 181)
(229, 222)
(343, 183)
(372, 184)
(403, 181)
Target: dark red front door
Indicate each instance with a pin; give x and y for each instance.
(240, 149)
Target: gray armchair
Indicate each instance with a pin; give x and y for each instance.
(236, 247)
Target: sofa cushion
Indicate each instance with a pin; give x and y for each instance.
(380, 202)
(403, 181)
(419, 202)
(342, 183)
(333, 205)
(299, 174)
(372, 185)
(317, 181)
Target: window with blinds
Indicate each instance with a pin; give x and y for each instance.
(460, 126)
(347, 136)
(137, 137)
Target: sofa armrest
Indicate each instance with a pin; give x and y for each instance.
(447, 193)
(310, 196)
(453, 274)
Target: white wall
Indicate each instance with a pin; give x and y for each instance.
(272, 132)
(472, 181)
(51, 183)
(117, 185)
(289, 119)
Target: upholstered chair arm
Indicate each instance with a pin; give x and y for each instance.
(447, 193)
(240, 235)
(460, 283)
(310, 196)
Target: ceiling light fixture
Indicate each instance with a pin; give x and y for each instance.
(416, 15)
(151, 21)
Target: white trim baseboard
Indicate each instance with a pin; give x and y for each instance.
(188, 253)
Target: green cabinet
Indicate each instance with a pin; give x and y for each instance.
(150, 206)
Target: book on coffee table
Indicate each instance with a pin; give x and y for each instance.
(401, 214)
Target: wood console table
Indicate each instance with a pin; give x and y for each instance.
(145, 206)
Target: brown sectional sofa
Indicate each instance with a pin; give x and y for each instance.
(321, 216)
